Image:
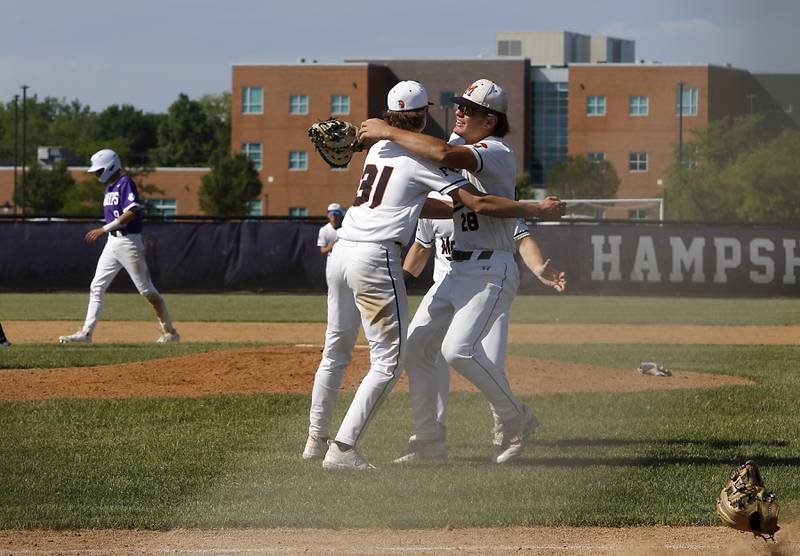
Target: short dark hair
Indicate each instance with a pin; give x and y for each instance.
(410, 120)
(501, 128)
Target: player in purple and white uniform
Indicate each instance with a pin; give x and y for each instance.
(124, 248)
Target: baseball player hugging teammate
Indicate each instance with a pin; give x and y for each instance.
(124, 248)
(478, 291)
(365, 284)
(436, 236)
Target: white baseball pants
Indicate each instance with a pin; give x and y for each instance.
(467, 318)
(120, 252)
(365, 286)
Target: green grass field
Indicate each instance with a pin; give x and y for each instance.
(233, 460)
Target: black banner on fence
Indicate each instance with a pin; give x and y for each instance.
(273, 256)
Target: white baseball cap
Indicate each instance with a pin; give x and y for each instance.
(407, 95)
(334, 207)
(484, 94)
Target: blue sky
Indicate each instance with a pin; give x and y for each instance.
(146, 52)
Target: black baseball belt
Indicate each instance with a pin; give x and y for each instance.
(471, 255)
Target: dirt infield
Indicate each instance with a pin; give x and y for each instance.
(291, 369)
(568, 541)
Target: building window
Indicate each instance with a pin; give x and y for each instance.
(596, 106)
(253, 207)
(253, 153)
(340, 104)
(637, 214)
(298, 160)
(298, 212)
(689, 101)
(252, 100)
(595, 156)
(637, 162)
(161, 207)
(298, 104)
(509, 48)
(638, 106)
(550, 131)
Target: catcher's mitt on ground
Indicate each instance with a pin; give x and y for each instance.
(746, 505)
(653, 369)
(335, 140)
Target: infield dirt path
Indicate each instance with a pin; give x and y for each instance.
(567, 541)
(313, 333)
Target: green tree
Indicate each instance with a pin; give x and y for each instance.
(45, 189)
(524, 186)
(132, 132)
(577, 177)
(85, 198)
(232, 183)
(185, 136)
(768, 178)
(703, 188)
(218, 111)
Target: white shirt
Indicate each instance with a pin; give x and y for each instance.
(496, 174)
(327, 234)
(393, 189)
(437, 234)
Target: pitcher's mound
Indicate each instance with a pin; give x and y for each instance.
(291, 369)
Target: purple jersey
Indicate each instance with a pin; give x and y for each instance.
(121, 196)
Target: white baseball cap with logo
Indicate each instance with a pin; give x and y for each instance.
(484, 94)
(407, 95)
(334, 207)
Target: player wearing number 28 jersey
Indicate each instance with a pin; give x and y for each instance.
(365, 282)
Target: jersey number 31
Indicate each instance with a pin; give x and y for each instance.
(365, 190)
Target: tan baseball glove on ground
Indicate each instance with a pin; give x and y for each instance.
(336, 141)
(746, 505)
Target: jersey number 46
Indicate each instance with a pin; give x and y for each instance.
(365, 191)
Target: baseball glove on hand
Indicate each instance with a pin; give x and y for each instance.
(335, 140)
(746, 505)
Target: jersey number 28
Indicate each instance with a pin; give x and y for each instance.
(365, 190)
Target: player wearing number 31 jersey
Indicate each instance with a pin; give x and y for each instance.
(365, 281)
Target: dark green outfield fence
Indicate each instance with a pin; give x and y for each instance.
(263, 255)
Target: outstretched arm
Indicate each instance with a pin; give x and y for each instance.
(425, 146)
(535, 261)
(416, 258)
(551, 208)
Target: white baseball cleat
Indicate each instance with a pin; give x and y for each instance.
(424, 450)
(80, 337)
(351, 459)
(515, 436)
(316, 447)
(169, 338)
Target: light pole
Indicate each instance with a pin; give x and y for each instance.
(16, 146)
(751, 97)
(24, 144)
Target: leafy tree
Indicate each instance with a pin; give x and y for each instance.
(524, 186)
(704, 187)
(218, 111)
(232, 183)
(185, 136)
(86, 198)
(132, 132)
(768, 179)
(577, 177)
(45, 189)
